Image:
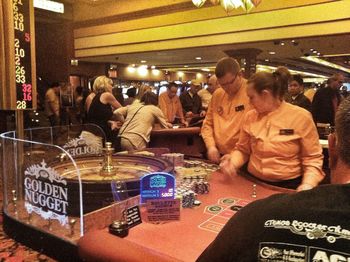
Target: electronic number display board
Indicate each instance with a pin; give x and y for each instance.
(19, 92)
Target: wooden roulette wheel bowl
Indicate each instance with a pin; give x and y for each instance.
(96, 187)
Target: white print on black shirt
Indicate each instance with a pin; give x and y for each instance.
(286, 252)
(325, 255)
(311, 230)
(271, 251)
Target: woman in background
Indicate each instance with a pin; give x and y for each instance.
(140, 118)
(100, 105)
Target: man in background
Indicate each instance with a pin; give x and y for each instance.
(221, 127)
(52, 104)
(206, 94)
(326, 100)
(191, 102)
(170, 104)
(296, 93)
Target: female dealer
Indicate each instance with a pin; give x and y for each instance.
(279, 140)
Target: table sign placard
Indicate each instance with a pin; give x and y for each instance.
(133, 216)
(163, 210)
(158, 185)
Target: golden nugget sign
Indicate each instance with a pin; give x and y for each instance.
(46, 193)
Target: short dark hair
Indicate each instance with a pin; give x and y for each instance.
(149, 98)
(298, 79)
(342, 127)
(227, 65)
(54, 84)
(276, 82)
(171, 84)
(131, 92)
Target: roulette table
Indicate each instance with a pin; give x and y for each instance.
(182, 240)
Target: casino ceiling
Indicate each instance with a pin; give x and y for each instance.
(171, 34)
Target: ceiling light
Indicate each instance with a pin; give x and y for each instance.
(143, 61)
(185, 65)
(230, 5)
(325, 63)
(273, 68)
(155, 72)
(282, 43)
(318, 53)
(198, 58)
(133, 65)
(267, 60)
(49, 5)
(142, 70)
(205, 69)
(153, 67)
(272, 53)
(315, 51)
(131, 69)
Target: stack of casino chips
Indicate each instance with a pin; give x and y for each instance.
(197, 184)
(189, 188)
(176, 159)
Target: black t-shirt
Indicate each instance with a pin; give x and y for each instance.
(99, 114)
(311, 225)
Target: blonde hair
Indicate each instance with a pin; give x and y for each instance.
(142, 90)
(101, 84)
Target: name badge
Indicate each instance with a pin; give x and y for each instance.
(286, 132)
(239, 108)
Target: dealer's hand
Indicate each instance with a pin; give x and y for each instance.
(213, 154)
(203, 113)
(226, 166)
(303, 187)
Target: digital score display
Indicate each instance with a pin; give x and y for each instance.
(22, 45)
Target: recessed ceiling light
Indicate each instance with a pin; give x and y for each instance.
(272, 53)
(267, 60)
(198, 58)
(282, 43)
(153, 67)
(185, 65)
(311, 49)
(143, 61)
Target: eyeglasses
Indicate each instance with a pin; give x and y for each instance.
(231, 82)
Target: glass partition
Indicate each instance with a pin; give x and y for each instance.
(42, 185)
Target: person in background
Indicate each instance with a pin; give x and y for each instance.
(326, 100)
(78, 104)
(228, 105)
(278, 140)
(295, 94)
(191, 102)
(312, 225)
(131, 93)
(170, 105)
(118, 94)
(140, 118)
(100, 105)
(141, 91)
(52, 104)
(206, 94)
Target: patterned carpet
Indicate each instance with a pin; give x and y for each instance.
(12, 251)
